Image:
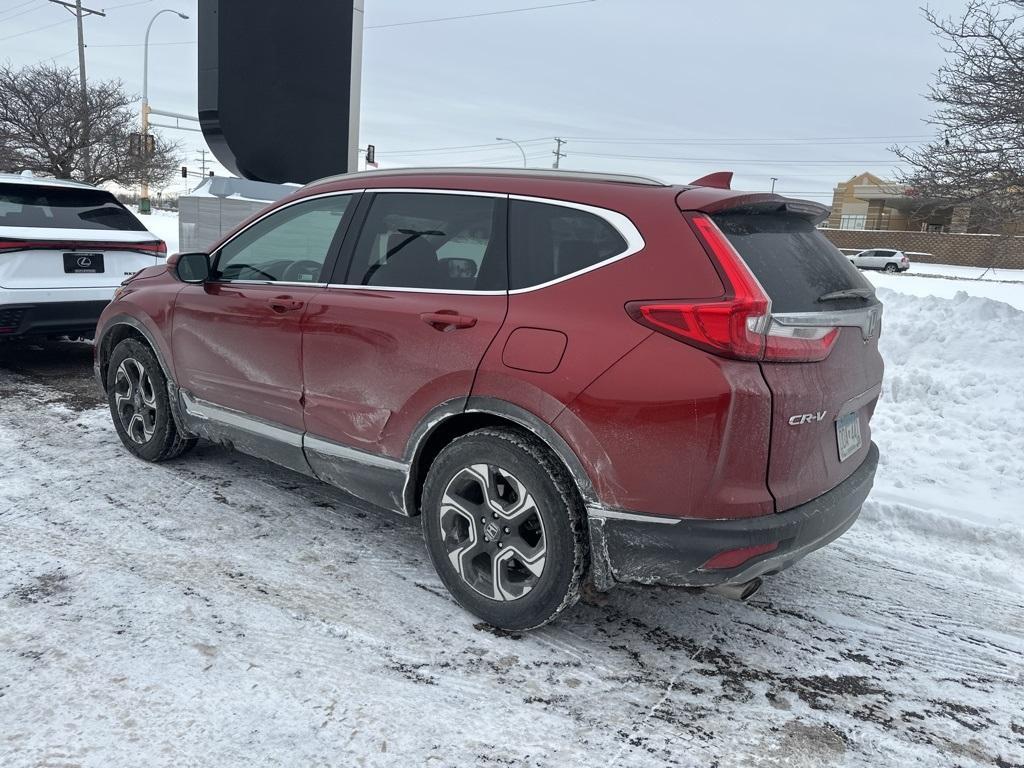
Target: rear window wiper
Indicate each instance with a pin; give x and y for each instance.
(849, 293)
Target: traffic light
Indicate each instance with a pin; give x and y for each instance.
(184, 171)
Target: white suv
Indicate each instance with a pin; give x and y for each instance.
(65, 247)
(886, 259)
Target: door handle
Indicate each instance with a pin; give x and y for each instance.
(447, 319)
(282, 304)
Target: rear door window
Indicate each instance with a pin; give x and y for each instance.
(794, 262)
(548, 242)
(432, 241)
(28, 205)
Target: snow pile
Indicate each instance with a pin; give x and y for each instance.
(163, 224)
(948, 286)
(950, 426)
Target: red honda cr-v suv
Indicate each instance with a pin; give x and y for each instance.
(565, 374)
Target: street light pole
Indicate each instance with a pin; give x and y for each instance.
(774, 179)
(520, 146)
(144, 206)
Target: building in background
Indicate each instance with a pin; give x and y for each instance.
(871, 212)
(218, 205)
(869, 202)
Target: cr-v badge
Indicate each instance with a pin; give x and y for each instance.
(806, 418)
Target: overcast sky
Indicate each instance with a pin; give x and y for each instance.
(810, 92)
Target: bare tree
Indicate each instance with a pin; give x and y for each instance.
(41, 129)
(978, 158)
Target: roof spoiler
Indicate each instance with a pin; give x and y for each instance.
(767, 203)
(718, 180)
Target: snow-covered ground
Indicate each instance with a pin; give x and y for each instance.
(163, 224)
(219, 611)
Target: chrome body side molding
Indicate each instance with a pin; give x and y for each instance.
(379, 480)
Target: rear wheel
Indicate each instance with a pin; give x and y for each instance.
(140, 404)
(891, 267)
(504, 527)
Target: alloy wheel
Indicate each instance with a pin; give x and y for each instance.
(135, 400)
(492, 532)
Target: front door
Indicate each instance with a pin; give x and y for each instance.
(405, 330)
(236, 340)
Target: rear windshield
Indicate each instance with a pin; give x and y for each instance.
(793, 261)
(25, 205)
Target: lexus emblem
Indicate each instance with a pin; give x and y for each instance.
(84, 261)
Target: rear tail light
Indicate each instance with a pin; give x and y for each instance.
(739, 325)
(8, 246)
(154, 247)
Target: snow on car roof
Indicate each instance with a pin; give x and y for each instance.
(44, 181)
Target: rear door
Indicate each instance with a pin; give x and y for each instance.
(820, 410)
(880, 259)
(69, 237)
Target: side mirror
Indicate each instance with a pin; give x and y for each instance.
(190, 267)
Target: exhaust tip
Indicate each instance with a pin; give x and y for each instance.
(742, 591)
(751, 588)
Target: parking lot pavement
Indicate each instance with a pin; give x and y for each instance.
(216, 610)
(65, 367)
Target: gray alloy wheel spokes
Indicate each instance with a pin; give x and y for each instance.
(135, 400)
(492, 532)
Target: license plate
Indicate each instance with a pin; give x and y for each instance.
(83, 262)
(848, 435)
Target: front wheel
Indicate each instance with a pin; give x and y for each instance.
(140, 404)
(505, 528)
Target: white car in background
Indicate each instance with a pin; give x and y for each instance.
(65, 247)
(885, 259)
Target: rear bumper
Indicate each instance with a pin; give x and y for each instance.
(653, 550)
(50, 318)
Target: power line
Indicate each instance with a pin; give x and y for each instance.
(139, 45)
(770, 161)
(37, 29)
(16, 6)
(782, 141)
(479, 15)
(127, 5)
(22, 13)
(464, 147)
(55, 56)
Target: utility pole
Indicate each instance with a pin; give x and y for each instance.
(558, 153)
(202, 161)
(80, 12)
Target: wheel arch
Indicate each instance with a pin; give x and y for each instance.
(116, 330)
(122, 327)
(459, 417)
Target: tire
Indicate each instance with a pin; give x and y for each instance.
(140, 405)
(891, 268)
(537, 537)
